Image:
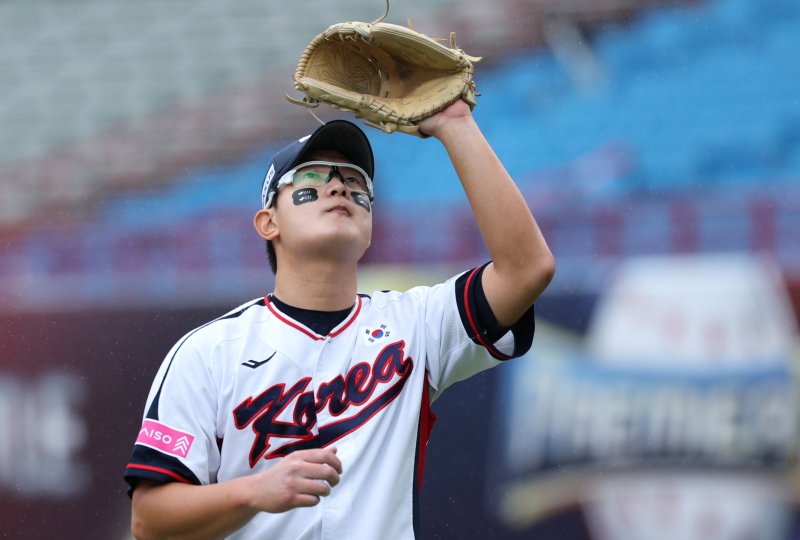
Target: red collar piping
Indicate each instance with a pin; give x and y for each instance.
(297, 326)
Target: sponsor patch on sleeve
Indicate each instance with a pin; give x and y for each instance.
(165, 439)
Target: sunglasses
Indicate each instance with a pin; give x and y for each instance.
(319, 173)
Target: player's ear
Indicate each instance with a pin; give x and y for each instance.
(265, 223)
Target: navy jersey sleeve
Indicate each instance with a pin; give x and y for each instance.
(462, 334)
(482, 326)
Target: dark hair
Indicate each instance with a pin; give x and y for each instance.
(273, 258)
(271, 255)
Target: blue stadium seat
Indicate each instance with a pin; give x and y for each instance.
(701, 92)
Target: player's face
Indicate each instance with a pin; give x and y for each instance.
(327, 208)
(316, 173)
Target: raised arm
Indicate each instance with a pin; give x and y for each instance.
(181, 511)
(522, 264)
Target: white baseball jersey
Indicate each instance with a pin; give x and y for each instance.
(235, 395)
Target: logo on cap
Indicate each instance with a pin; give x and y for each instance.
(265, 185)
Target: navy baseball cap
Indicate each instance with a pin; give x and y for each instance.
(339, 135)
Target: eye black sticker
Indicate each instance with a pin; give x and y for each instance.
(362, 200)
(305, 195)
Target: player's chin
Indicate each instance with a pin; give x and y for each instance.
(351, 229)
(358, 246)
(345, 243)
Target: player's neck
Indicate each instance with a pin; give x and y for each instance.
(319, 287)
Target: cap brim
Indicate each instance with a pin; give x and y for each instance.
(345, 137)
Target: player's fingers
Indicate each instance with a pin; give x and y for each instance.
(323, 471)
(335, 462)
(323, 455)
(302, 500)
(317, 488)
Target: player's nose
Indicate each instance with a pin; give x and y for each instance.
(335, 186)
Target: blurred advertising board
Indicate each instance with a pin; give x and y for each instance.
(675, 417)
(72, 391)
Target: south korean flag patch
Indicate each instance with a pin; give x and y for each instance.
(376, 334)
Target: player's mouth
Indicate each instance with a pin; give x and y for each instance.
(339, 209)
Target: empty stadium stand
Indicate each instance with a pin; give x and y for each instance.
(682, 136)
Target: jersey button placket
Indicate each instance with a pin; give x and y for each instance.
(329, 505)
(332, 523)
(321, 374)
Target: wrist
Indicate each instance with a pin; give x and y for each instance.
(244, 493)
(455, 128)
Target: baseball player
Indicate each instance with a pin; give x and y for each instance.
(305, 414)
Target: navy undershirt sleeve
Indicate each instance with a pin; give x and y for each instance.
(480, 322)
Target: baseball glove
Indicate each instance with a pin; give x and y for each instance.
(390, 76)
